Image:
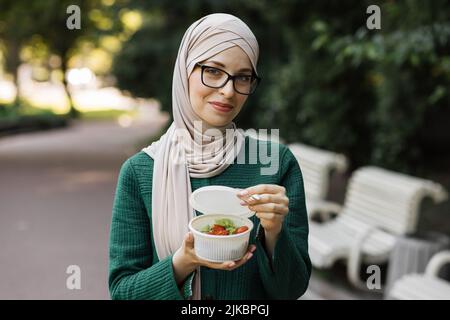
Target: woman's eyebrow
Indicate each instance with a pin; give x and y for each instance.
(223, 66)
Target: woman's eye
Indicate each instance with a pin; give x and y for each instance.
(245, 78)
(212, 71)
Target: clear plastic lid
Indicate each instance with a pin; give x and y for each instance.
(219, 200)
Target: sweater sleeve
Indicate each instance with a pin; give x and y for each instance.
(131, 273)
(287, 275)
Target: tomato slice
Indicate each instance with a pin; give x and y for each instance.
(222, 233)
(218, 232)
(217, 227)
(241, 229)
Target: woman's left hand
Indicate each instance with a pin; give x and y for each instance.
(270, 203)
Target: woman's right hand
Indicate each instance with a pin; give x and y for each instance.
(185, 261)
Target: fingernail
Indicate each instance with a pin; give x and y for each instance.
(249, 256)
(243, 193)
(253, 249)
(256, 197)
(243, 203)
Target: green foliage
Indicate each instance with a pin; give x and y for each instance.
(379, 96)
(27, 118)
(410, 80)
(375, 95)
(145, 65)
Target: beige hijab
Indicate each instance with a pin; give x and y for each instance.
(175, 159)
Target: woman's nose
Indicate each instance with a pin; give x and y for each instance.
(227, 90)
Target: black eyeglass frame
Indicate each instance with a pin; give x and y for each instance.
(229, 76)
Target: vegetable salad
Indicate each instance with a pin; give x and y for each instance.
(223, 227)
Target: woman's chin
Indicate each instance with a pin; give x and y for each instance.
(218, 121)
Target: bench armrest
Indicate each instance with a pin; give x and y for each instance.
(354, 261)
(437, 262)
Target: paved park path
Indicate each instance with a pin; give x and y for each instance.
(56, 194)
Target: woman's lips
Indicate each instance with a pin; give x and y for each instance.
(221, 106)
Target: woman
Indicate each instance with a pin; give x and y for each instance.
(151, 251)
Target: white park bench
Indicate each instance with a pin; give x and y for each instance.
(426, 286)
(379, 206)
(317, 165)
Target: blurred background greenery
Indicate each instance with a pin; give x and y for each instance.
(380, 97)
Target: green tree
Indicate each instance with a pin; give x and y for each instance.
(51, 25)
(21, 20)
(15, 31)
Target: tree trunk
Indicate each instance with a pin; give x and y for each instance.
(73, 112)
(12, 66)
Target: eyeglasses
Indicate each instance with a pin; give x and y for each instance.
(217, 78)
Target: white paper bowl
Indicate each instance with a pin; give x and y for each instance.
(220, 248)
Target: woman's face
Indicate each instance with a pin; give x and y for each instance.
(220, 106)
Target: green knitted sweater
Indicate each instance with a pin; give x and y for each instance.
(135, 272)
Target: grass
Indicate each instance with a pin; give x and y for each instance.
(106, 114)
(14, 119)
